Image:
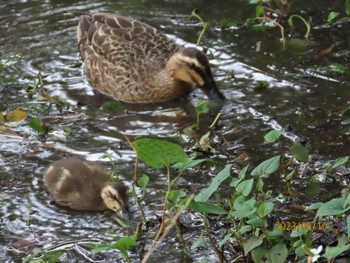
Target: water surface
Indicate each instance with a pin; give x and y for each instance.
(302, 102)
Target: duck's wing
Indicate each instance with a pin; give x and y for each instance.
(113, 36)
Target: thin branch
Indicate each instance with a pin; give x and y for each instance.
(156, 242)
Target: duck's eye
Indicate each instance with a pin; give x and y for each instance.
(192, 65)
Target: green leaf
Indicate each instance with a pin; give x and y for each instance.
(348, 225)
(250, 243)
(50, 256)
(235, 181)
(299, 152)
(272, 136)
(159, 153)
(190, 163)
(257, 222)
(332, 16)
(208, 208)
(244, 209)
(226, 23)
(245, 229)
(112, 106)
(35, 124)
(205, 194)
(143, 181)
(260, 185)
(347, 7)
(225, 239)
(341, 162)
(176, 194)
(203, 106)
(276, 254)
(290, 176)
(314, 206)
(245, 187)
(333, 252)
(122, 245)
(265, 209)
(259, 11)
(267, 167)
(336, 206)
(338, 68)
(101, 247)
(200, 242)
(296, 233)
(261, 85)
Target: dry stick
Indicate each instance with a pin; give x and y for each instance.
(215, 121)
(167, 229)
(135, 179)
(42, 90)
(216, 250)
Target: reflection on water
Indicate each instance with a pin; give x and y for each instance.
(43, 34)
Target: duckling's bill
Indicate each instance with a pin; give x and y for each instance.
(124, 213)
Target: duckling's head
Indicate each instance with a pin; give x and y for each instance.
(191, 66)
(115, 197)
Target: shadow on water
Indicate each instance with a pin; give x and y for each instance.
(303, 103)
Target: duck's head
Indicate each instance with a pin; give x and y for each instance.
(191, 66)
(115, 196)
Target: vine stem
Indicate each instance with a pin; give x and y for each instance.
(205, 25)
(215, 248)
(133, 190)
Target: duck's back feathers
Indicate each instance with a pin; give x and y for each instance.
(126, 59)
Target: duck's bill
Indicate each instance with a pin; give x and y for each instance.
(212, 91)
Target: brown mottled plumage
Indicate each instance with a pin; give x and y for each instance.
(83, 186)
(133, 62)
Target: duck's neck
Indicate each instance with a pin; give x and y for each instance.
(169, 88)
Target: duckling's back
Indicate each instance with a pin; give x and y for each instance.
(73, 183)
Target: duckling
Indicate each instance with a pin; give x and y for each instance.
(135, 63)
(82, 186)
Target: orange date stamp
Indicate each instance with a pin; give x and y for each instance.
(304, 226)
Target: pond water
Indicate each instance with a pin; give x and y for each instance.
(301, 100)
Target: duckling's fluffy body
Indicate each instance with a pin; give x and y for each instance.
(133, 62)
(82, 186)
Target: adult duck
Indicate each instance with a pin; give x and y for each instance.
(133, 62)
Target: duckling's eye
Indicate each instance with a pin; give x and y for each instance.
(113, 196)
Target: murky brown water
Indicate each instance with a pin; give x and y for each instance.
(304, 104)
